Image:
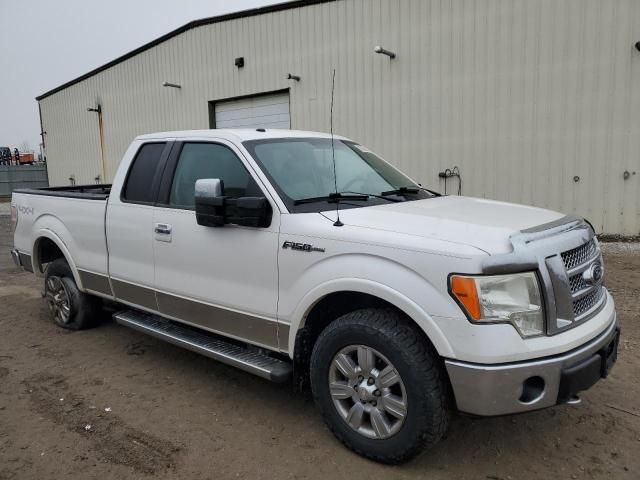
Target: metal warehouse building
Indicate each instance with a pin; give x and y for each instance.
(536, 101)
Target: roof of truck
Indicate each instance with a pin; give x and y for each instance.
(237, 134)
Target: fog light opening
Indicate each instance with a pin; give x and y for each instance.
(532, 390)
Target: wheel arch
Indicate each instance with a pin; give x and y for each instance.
(327, 302)
(360, 293)
(48, 247)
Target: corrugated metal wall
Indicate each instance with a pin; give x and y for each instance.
(522, 95)
(21, 176)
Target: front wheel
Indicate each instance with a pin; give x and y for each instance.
(380, 385)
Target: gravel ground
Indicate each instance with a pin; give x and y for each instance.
(621, 248)
(113, 403)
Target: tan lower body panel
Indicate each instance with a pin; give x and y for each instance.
(145, 297)
(227, 322)
(95, 282)
(242, 326)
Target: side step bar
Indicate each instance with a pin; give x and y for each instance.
(207, 344)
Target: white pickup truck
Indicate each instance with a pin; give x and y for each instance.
(299, 257)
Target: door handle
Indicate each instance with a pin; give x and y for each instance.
(163, 229)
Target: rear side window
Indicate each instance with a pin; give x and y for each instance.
(138, 186)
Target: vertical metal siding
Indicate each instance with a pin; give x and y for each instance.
(21, 176)
(522, 95)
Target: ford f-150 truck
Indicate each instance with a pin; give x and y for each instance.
(305, 258)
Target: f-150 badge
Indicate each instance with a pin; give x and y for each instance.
(303, 247)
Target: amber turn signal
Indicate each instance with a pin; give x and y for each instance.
(465, 291)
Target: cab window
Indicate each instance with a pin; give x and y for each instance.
(138, 187)
(209, 160)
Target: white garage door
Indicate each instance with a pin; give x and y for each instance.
(264, 111)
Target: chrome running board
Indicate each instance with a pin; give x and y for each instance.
(207, 344)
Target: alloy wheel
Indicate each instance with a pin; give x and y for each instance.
(367, 391)
(57, 299)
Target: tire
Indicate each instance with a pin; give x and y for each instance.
(69, 307)
(415, 411)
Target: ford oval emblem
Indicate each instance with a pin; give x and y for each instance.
(593, 274)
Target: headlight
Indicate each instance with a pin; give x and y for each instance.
(513, 299)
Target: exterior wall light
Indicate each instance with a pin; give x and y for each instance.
(381, 50)
(239, 62)
(97, 109)
(169, 84)
(638, 46)
(291, 76)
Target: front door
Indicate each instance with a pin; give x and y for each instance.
(221, 279)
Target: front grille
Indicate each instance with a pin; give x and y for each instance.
(586, 303)
(580, 255)
(584, 296)
(577, 283)
(567, 253)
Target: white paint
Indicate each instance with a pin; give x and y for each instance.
(196, 262)
(129, 233)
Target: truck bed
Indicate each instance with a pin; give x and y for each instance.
(73, 217)
(87, 192)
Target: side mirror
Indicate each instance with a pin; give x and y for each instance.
(209, 201)
(214, 209)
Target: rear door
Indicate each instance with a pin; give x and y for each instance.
(221, 279)
(129, 227)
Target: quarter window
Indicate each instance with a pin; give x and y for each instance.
(138, 186)
(209, 160)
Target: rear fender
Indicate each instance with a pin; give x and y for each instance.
(46, 233)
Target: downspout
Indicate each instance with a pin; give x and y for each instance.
(101, 128)
(43, 148)
(98, 110)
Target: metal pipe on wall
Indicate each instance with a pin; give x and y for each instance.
(98, 110)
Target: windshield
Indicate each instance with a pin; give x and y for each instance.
(302, 168)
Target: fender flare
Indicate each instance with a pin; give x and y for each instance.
(35, 260)
(388, 294)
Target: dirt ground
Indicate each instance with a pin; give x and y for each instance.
(113, 403)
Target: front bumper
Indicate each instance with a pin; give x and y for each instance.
(522, 386)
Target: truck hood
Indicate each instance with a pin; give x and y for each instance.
(483, 224)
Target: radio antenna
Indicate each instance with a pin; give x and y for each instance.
(337, 223)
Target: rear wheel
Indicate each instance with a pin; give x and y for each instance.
(69, 307)
(380, 385)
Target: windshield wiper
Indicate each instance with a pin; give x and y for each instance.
(401, 191)
(333, 198)
(378, 196)
(409, 190)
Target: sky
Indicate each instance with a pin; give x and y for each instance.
(45, 43)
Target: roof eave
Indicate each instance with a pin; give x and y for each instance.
(277, 7)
